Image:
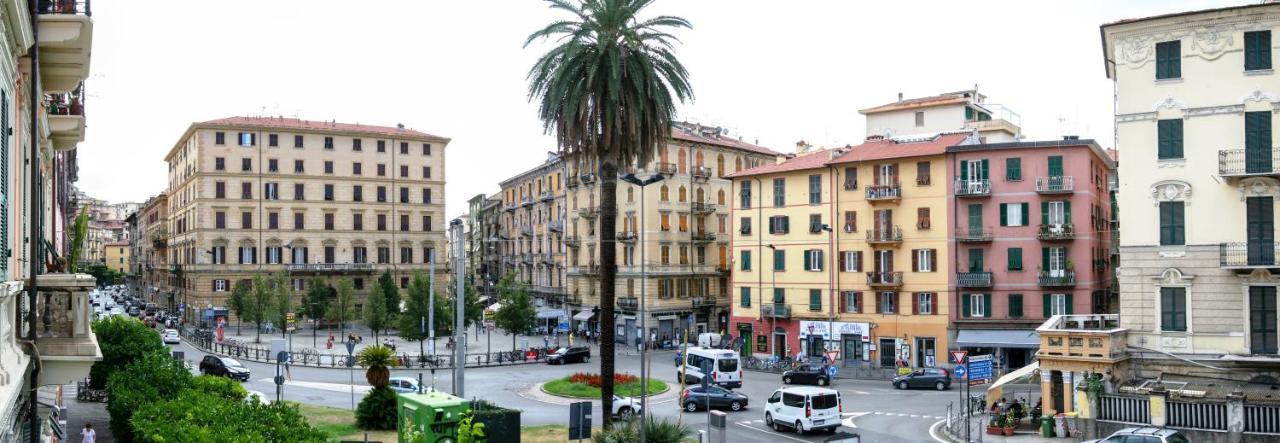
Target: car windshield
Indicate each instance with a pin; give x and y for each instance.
(562, 351)
(1177, 438)
(728, 365)
(824, 401)
(231, 363)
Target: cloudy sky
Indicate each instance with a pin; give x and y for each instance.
(771, 71)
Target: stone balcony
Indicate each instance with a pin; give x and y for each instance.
(66, 40)
(68, 347)
(1082, 342)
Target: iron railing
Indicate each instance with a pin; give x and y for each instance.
(973, 188)
(526, 201)
(328, 267)
(628, 303)
(1238, 162)
(572, 241)
(703, 208)
(1208, 416)
(1249, 255)
(884, 279)
(1056, 232)
(1262, 419)
(704, 237)
(973, 279)
(1064, 279)
(701, 172)
(588, 178)
(75, 7)
(973, 234)
(571, 181)
(884, 192)
(776, 310)
(589, 212)
(546, 196)
(626, 236)
(1061, 184)
(667, 169)
(555, 226)
(1124, 409)
(890, 235)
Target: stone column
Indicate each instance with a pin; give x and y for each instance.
(1068, 391)
(1235, 417)
(1159, 402)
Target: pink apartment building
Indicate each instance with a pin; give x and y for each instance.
(1030, 237)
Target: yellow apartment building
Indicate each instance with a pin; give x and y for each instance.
(116, 256)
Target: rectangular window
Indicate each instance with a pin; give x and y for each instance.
(779, 295)
(271, 191)
(850, 178)
(219, 164)
(1013, 169)
(1014, 214)
(328, 167)
(746, 260)
(382, 146)
(924, 260)
(382, 170)
(219, 138)
(404, 195)
(426, 149)
(922, 218)
(246, 191)
(273, 165)
(404, 148)
(744, 300)
(925, 303)
(298, 218)
(330, 254)
(779, 260)
(813, 260)
(815, 223)
(923, 177)
(246, 165)
(779, 224)
(851, 302)
(247, 138)
(357, 193)
(887, 302)
(219, 285)
(1172, 224)
(357, 222)
(328, 143)
(328, 221)
(1015, 259)
(1169, 60)
(382, 194)
(426, 223)
(850, 221)
(219, 190)
(357, 145)
(355, 168)
(384, 255)
(746, 195)
(406, 255)
(298, 193)
(404, 171)
(246, 220)
(298, 167)
(815, 189)
(328, 192)
(382, 222)
(1257, 50)
(815, 299)
(919, 118)
(297, 141)
(977, 305)
(220, 220)
(1015, 305)
(1173, 309)
(779, 192)
(273, 220)
(359, 254)
(426, 196)
(851, 261)
(744, 225)
(404, 222)
(426, 172)
(273, 140)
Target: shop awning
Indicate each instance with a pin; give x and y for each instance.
(584, 315)
(546, 313)
(494, 307)
(1022, 375)
(998, 338)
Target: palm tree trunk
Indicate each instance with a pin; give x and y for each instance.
(608, 273)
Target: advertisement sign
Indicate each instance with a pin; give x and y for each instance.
(291, 321)
(822, 329)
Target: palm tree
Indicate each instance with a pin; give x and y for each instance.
(377, 360)
(608, 89)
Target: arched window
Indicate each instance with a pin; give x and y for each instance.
(698, 159)
(682, 162)
(662, 155)
(737, 164)
(701, 197)
(664, 194)
(683, 194)
(720, 198)
(720, 165)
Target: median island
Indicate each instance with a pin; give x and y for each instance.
(583, 385)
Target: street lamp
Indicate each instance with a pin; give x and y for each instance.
(644, 362)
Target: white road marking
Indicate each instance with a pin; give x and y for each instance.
(758, 421)
(915, 416)
(774, 433)
(862, 392)
(933, 431)
(850, 416)
(333, 387)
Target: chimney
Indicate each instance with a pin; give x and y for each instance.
(1070, 137)
(802, 147)
(400, 126)
(899, 96)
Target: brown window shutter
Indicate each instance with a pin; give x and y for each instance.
(858, 264)
(855, 177)
(933, 304)
(915, 260)
(915, 304)
(841, 255)
(933, 260)
(857, 301)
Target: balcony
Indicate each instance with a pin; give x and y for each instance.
(571, 181)
(66, 119)
(526, 258)
(555, 226)
(667, 169)
(526, 230)
(1056, 185)
(589, 212)
(547, 259)
(626, 236)
(1082, 342)
(883, 236)
(973, 234)
(1253, 255)
(591, 270)
(1240, 163)
(526, 201)
(973, 188)
(891, 192)
(702, 301)
(629, 303)
(66, 342)
(973, 279)
(572, 241)
(588, 179)
(702, 173)
(1058, 232)
(546, 196)
(1056, 279)
(511, 207)
(703, 208)
(703, 237)
(65, 29)
(328, 268)
(884, 279)
(776, 310)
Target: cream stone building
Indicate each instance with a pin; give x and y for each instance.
(116, 256)
(530, 236)
(255, 195)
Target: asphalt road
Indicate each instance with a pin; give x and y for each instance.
(872, 409)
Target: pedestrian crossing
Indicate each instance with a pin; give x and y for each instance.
(850, 416)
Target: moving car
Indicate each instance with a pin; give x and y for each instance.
(170, 336)
(404, 385)
(695, 398)
(1144, 435)
(223, 366)
(625, 407)
(579, 354)
(805, 374)
(726, 367)
(924, 378)
(803, 409)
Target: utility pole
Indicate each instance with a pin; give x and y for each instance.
(431, 314)
(644, 330)
(460, 303)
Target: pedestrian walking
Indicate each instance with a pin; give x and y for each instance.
(87, 435)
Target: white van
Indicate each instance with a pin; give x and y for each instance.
(803, 409)
(726, 367)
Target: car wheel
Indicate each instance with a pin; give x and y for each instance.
(902, 385)
(768, 420)
(691, 406)
(786, 380)
(799, 428)
(822, 382)
(625, 413)
(831, 430)
(735, 406)
(940, 386)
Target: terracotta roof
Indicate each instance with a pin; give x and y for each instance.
(811, 160)
(886, 148)
(293, 123)
(679, 133)
(922, 102)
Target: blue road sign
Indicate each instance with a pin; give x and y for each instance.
(980, 368)
(831, 371)
(959, 370)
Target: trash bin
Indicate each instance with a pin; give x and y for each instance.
(1046, 426)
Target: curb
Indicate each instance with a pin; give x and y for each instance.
(196, 345)
(543, 387)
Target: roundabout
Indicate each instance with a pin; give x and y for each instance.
(587, 386)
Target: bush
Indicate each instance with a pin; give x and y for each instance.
(203, 416)
(377, 411)
(123, 340)
(594, 380)
(155, 377)
(656, 431)
(220, 387)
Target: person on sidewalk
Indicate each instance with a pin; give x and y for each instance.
(87, 435)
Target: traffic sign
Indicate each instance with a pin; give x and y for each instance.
(959, 356)
(980, 368)
(959, 371)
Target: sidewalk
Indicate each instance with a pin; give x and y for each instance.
(485, 342)
(79, 413)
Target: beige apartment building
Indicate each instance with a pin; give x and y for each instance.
(116, 256)
(678, 228)
(254, 195)
(151, 247)
(531, 233)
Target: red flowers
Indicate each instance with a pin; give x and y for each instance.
(593, 380)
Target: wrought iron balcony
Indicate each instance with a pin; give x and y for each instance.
(973, 234)
(704, 237)
(884, 192)
(703, 301)
(701, 173)
(323, 268)
(511, 207)
(572, 241)
(589, 211)
(1240, 163)
(884, 279)
(973, 188)
(526, 258)
(591, 270)
(1249, 255)
(1059, 232)
(1056, 185)
(667, 169)
(526, 230)
(571, 181)
(703, 208)
(885, 236)
(776, 310)
(588, 178)
(1058, 279)
(555, 226)
(526, 201)
(630, 303)
(973, 279)
(626, 236)
(546, 196)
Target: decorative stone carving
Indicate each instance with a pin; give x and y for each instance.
(1258, 95)
(1135, 51)
(1135, 117)
(1259, 187)
(1170, 190)
(1212, 110)
(1170, 103)
(1261, 276)
(1213, 41)
(1173, 277)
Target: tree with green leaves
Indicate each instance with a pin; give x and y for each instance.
(343, 306)
(608, 90)
(316, 303)
(516, 313)
(258, 305)
(375, 311)
(391, 294)
(238, 301)
(280, 301)
(416, 308)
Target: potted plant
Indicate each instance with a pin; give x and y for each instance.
(993, 426)
(1007, 423)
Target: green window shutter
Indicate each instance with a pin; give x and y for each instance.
(1004, 216)
(1179, 224)
(1066, 212)
(1015, 305)
(1055, 165)
(1044, 213)
(967, 305)
(1044, 259)
(986, 305)
(745, 299)
(779, 260)
(1069, 303)
(1257, 132)
(807, 261)
(746, 260)
(821, 259)
(1169, 138)
(1013, 168)
(964, 169)
(1169, 60)
(815, 299)
(1257, 50)
(1015, 259)
(985, 169)
(1048, 305)
(779, 296)
(1026, 214)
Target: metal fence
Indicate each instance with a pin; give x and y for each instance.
(1206, 416)
(1262, 419)
(1124, 409)
(311, 357)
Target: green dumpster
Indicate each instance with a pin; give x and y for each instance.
(1046, 426)
(430, 417)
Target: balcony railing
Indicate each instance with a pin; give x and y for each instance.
(526, 201)
(526, 230)
(588, 178)
(590, 270)
(589, 212)
(555, 226)
(626, 236)
(71, 103)
(77, 7)
(703, 301)
(1058, 232)
(884, 192)
(701, 172)
(631, 303)
(329, 267)
(703, 208)
(1249, 255)
(973, 234)
(885, 236)
(776, 310)
(526, 258)
(973, 279)
(1240, 163)
(973, 188)
(667, 169)
(884, 279)
(546, 196)
(572, 241)
(704, 237)
(1056, 279)
(571, 181)
(1056, 185)
(511, 207)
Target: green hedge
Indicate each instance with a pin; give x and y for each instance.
(123, 340)
(202, 416)
(153, 378)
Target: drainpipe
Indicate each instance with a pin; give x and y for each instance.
(36, 232)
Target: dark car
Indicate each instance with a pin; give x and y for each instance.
(924, 378)
(223, 366)
(575, 354)
(695, 398)
(805, 374)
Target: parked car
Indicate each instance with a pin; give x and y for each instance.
(805, 374)
(170, 336)
(695, 398)
(223, 366)
(405, 385)
(803, 409)
(579, 354)
(1144, 435)
(625, 407)
(935, 378)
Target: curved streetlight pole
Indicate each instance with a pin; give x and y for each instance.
(644, 362)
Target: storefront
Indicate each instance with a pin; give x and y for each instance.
(1010, 348)
(848, 343)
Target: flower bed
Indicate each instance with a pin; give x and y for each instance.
(582, 385)
(594, 380)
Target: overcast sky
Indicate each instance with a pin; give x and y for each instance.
(772, 71)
